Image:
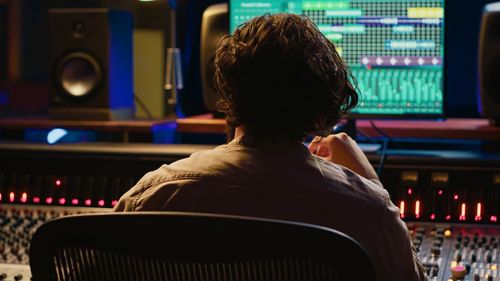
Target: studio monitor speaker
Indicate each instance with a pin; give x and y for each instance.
(214, 26)
(489, 63)
(91, 73)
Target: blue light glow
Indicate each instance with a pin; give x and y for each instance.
(55, 135)
(493, 7)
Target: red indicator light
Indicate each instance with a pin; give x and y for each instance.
(448, 217)
(402, 209)
(58, 183)
(440, 192)
(455, 196)
(410, 191)
(478, 212)
(100, 203)
(74, 201)
(62, 201)
(462, 212)
(113, 203)
(36, 200)
(12, 197)
(24, 197)
(0, 196)
(49, 200)
(88, 202)
(493, 218)
(417, 209)
(433, 216)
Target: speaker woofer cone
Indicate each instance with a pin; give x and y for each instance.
(79, 74)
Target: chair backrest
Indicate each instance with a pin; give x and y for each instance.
(192, 247)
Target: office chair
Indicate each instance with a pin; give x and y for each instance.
(192, 247)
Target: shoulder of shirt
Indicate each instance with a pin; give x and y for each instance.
(371, 190)
(197, 166)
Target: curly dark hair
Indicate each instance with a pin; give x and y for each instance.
(279, 77)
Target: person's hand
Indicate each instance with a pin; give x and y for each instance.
(343, 150)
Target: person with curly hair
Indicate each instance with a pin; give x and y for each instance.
(279, 80)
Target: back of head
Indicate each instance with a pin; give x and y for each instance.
(280, 78)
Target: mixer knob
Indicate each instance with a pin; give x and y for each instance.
(476, 277)
(467, 268)
(436, 251)
(18, 277)
(473, 258)
(457, 246)
(419, 236)
(3, 276)
(459, 257)
(489, 278)
(488, 258)
(472, 246)
(458, 272)
(14, 250)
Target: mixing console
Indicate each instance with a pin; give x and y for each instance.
(458, 252)
(451, 201)
(447, 251)
(18, 223)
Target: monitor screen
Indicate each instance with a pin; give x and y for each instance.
(395, 48)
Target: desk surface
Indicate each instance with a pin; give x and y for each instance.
(453, 128)
(108, 126)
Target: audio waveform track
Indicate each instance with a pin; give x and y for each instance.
(396, 91)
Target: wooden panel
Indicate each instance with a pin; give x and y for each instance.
(445, 129)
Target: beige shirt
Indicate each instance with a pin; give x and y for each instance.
(283, 182)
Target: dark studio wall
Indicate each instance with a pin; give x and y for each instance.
(3, 41)
(463, 18)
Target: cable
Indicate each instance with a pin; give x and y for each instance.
(385, 144)
(143, 106)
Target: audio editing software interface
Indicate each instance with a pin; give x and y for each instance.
(395, 48)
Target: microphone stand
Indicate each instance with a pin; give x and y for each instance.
(173, 72)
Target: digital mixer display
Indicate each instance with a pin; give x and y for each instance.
(395, 48)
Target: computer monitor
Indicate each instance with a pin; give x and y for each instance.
(395, 48)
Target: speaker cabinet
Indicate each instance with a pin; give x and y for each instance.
(91, 73)
(489, 63)
(214, 26)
